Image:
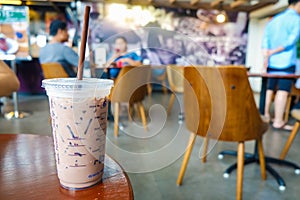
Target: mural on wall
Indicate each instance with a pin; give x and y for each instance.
(169, 36)
(14, 35)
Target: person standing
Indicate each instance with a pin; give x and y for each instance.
(279, 51)
(57, 51)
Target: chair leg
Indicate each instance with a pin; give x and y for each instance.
(49, 120)
(143, 115)
(204, 151)
(287, 108)
(290, 140)
(171, 102)
(261, 159)
(164, 89)
(149, 89)
(130, 112)
(296, 99)
(116, 119)
(240, 171)
(186, 158)
(136, 107)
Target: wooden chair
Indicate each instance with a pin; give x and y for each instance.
(162, 79)
(9, 85)
(130, 87)
(9, 81)
(295, 92)
(219, 104)
(292, 136)
(175, 78)
(53, 70)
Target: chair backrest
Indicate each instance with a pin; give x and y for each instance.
(9, 81)
(219, 103)
(131, 84)
(53, 70)
(175, 76)
(295, 91)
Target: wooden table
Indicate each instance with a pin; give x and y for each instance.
(263, 90)
(28, 171)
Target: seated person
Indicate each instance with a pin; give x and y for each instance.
(56, 51)
(9, 82)
(121, 57)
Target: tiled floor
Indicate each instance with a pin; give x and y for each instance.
(153, 158)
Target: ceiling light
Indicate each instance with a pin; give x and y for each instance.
(11, 2)
(221, 17)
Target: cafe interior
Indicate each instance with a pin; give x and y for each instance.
(185, 123)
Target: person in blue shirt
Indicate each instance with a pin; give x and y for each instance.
(279, 51)
(57, 51)
(120, 57)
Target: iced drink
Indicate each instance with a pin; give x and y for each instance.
(79, 116)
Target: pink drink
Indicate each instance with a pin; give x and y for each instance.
(79, 117)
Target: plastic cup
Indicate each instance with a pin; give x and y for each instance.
(78, 111)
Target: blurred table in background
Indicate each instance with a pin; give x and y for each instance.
(263, 90)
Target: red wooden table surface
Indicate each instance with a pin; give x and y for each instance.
(28, 171)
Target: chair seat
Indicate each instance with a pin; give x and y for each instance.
(295, 92)
(296, 114)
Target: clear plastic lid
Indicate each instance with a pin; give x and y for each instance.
(69, 87)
